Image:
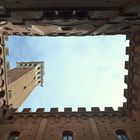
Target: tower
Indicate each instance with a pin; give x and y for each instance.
(22, 80)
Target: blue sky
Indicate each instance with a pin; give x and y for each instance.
(79, 71)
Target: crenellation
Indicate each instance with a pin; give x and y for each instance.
(127, 50)
(95, 109)
(126, 93)
(120, 109)
(126, 79)
(125, 105)
(126, 65)
(109, 109)
(3, 72)
(81, 109)
(67, 109)
(40, 110)
(26, 110)
(54, 109)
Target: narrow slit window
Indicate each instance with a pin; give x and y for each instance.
(121, 134)
(67, 135)
(14, 135)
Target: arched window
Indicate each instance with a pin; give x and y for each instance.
(14, 135)
(67, 135)
(121, 134)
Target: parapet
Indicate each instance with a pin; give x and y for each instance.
(94, 110)
(68, 110)
(38, 65)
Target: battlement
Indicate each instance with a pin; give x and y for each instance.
(68, 110)
(39, 66)
(94, 110)
(130, 93)
(3, 74)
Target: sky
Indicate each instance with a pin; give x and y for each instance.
(79, 71)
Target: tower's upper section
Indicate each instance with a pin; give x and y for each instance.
(39, 67)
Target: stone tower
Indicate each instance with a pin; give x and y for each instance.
(22, 80)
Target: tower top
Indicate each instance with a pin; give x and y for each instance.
(39, 67)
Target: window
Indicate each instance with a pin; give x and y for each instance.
(38, 73)
(121, 134)
(67, 135)
(10, 94)
(38, 77)
(38, 68)
(14, 135)
(2, 94)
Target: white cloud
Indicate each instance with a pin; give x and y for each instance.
(79, 71)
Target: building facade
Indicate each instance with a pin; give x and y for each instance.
(67, 18)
